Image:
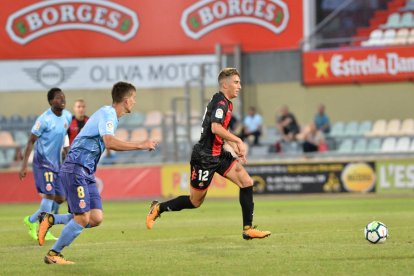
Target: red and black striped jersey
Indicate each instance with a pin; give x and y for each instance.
(218, 110)
(75, 127)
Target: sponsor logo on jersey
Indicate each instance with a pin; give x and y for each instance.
(219, 113)
(208, 15)
(45, 17)
(82, 203)
(49, 187)
(110, 126)
(37, 125)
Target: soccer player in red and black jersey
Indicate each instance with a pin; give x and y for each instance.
(78, 120)
(209, 157)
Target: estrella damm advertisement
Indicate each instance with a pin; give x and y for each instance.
(358, 65)
(33, 29)
(313, 177)
(175, 181)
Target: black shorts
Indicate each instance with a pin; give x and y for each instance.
(204, 165)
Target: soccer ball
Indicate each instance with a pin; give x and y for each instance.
(376, 232)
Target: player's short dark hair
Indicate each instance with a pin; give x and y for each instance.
(52, 92)
(227, 72)
(120, 90)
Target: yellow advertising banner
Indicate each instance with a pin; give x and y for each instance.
(175, 181)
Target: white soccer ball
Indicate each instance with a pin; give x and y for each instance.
(376, 232)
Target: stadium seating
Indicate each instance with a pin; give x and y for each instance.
(21, 137)
(378, 128)
(139, 134)
(393, 128)
(403, 144)
(389, 145)
(337, 129)
(393, 21)
(374, 39)
(360, 146)
(346, 146)
(153, 119)
(351, 129)
(6, 139)
(401, 37)
(133, 120)
(364, 128)
(156, 134)
(374, 145)
(409, 6)
(122, 134)
(389, 37)
(407, 127)
(3, 160)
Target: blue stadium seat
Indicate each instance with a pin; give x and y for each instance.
(21, 137)
(337, 129)
(360, 146)
(346, 146)
(351, 129)
(374, 145)
(364, 128)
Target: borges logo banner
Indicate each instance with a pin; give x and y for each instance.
(54, 29)
(58, 15)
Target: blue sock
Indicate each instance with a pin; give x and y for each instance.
(45, 206)
(68, 235)
(62, 219)
(55, 208)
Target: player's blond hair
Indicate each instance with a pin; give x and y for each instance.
(79, 101)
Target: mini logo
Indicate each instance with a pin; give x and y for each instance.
(201, 185)
(65, 125)
(49, 187)
(208, 15)
(50, 74)
(82, 203)
(51, 16)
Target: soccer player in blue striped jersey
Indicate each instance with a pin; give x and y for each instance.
(78, 169)
(47, 138)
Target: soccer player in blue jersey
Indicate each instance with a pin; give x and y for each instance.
(47, 138)
(78, 169)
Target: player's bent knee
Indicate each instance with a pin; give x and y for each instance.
(247, 182)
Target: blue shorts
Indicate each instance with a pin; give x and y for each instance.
(47, 182)
(82, 194)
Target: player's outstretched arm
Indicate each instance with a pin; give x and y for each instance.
(27, 152)
(113, 143)
(235, 142)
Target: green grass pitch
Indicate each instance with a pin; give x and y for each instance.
(311, 235)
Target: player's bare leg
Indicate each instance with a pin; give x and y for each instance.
(194, 200)
(241, 178)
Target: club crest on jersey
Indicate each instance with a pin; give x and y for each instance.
(37, 125)
(219, 113)
(110, 126)
(49, 187)
(208, 15)
(51, 16)
(82, 203)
